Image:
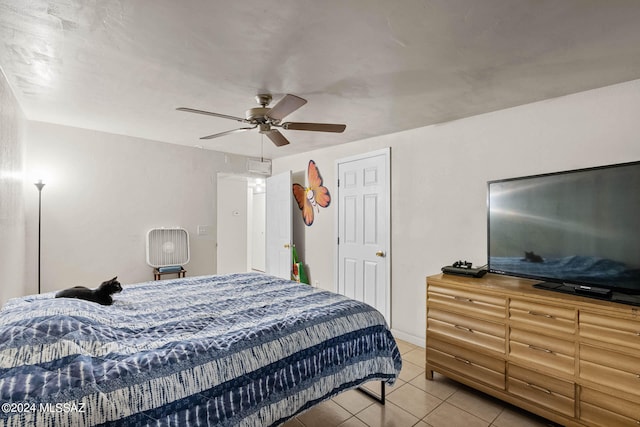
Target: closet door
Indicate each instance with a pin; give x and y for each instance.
(364, 229)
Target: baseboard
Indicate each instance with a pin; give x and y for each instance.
(419, 341)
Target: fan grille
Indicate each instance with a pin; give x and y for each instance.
(167, 247)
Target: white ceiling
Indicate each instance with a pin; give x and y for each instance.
(378, 66)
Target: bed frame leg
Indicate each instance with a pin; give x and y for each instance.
(380, 399)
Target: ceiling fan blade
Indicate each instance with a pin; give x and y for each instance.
(318, 127)
(286, 106)
(276, 137)
(229, 132)
(208, 113)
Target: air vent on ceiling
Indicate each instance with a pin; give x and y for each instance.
(263, 167)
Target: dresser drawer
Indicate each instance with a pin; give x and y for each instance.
(484, 334)
(543, 390)
(606, 410)
(481, 368)
(489, 362)
(623, 332)
(545, 317)
(616, 370)
(552, 354)
(466, 302)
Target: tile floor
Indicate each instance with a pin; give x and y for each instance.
(415, 401)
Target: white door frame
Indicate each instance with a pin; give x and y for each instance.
(386, 152)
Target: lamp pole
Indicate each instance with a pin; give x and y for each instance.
(39, 185)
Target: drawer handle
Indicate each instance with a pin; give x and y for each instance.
(463, 299)
(464, 328)
(535, 313)
(460, 359)
(535, 347)
(537, 387)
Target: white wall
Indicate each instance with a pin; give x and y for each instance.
(104, 192)
(439, 176)
(12, 216)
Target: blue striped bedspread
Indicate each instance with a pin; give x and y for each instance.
(233, 350)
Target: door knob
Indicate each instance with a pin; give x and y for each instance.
(287, 246)
(380, 254)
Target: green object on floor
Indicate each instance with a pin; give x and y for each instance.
(298, 272)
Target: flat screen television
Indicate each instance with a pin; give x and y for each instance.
(576, 231)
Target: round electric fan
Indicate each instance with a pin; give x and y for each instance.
(167, 247)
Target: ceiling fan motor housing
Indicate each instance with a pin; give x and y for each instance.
(257, 114)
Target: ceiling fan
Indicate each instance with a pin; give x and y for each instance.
(267, 119)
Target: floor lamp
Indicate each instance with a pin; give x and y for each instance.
(39, 185)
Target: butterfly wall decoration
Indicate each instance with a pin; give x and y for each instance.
(315, 195)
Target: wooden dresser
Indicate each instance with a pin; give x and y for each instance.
(573, 360)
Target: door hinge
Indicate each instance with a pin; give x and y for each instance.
(338, 240)
(338, 182)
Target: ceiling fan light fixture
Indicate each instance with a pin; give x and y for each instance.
(264, 127)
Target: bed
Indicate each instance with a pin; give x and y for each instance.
(240, 349)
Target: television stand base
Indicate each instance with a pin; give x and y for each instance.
(591, 292)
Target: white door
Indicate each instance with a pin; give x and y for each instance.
(364, 229)
(232, 224)
(278, 228)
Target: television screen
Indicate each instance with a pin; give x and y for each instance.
(579, 227)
